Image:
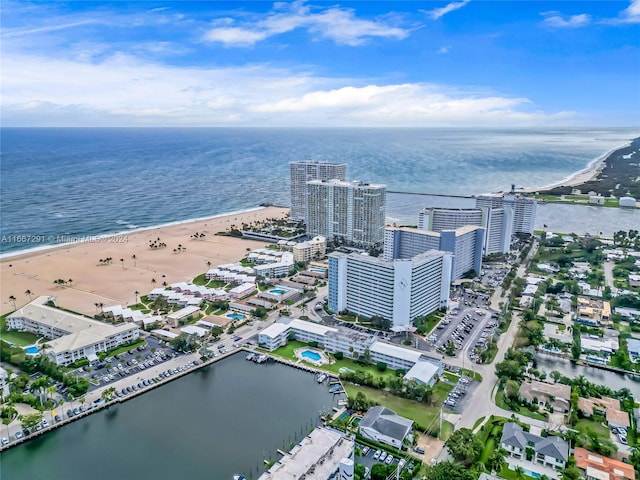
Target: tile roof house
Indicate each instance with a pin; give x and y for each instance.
(597, 467)
(551, 451)
(555, 394)
(385, 426)
(609, 407)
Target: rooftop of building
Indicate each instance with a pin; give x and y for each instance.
(347, 183)
(615, 469)
(80, 331)
(556, 390)
(555, 447)
(387, 422)
(316, 457)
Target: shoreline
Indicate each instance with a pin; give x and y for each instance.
(99, 237)
(134, 266)
(590, 172)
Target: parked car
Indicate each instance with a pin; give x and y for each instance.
(377, 454)
(19, 435)
(383, 455)
(389, 460)
(365, 450)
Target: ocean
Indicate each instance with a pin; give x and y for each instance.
(92, 181)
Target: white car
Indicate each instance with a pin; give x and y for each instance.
(377, 454)
(5, 441)
(389, 460)
(383, 455)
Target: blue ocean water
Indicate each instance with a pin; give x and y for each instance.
(91, 181)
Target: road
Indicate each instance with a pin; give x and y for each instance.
(482, 401)
(608, 274)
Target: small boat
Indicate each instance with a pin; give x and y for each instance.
(249, 357)
(335, 389)
(321, 378)
(239, 477)
(261, 358)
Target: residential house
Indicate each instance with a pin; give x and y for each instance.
(597, 467)
(552, 451)
(385, 426)
(541, 393)
(606, 406)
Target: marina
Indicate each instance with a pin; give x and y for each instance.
(220, 399)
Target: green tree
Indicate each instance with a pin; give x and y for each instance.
(509, 369)
(30, 420)
(448, 471)
(497, 460)
(464, 446)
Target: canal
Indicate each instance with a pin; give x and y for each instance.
(615, 381)
(219, 421)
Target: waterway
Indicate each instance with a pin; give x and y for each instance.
(403, 208)
(613, 380)
(219, 421)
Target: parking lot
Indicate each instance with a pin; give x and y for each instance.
(461, 393)
(371, 456)
(466, 329)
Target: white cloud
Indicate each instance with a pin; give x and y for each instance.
(444, 49)
(631, 14)
(337, 24)
(436, 13)
(554, 19)
(121, 90)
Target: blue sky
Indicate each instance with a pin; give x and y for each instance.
(368, 63)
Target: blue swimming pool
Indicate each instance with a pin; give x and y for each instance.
(276, 291)
(318, 270)
(32, 350)
(235, 316)
(532, 474)
(308, 354)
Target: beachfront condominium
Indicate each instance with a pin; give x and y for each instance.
(302, 172)
(523, 208)
(396, 290)
(72, 337)
(465, 243)
(349, 212)
(498, 223)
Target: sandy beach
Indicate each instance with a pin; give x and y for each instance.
(117, 282)
(588, 173)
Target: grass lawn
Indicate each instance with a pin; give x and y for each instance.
(489, 447)
(119, 350)
(478, 422)
(452, 377)
(441, 391)
(425, 415)
(287, 352)
(586, 426)
(512, 474)
(500, 402)
(19, 339)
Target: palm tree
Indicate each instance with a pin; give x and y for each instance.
(136, 294)
(28, 293)
(153, 281)
(122, 262)
(70, 281)
(133, 257)
(13, 299)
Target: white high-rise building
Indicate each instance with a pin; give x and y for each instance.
(524, 209)
(397, 290)
(498, 223)
(353, 212)
(465, 243)
(302, 172)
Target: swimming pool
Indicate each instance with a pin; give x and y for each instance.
(309, 355)
(531, 474)
(276, 291)
(235, 316)
(32, 350)
(318, 270)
